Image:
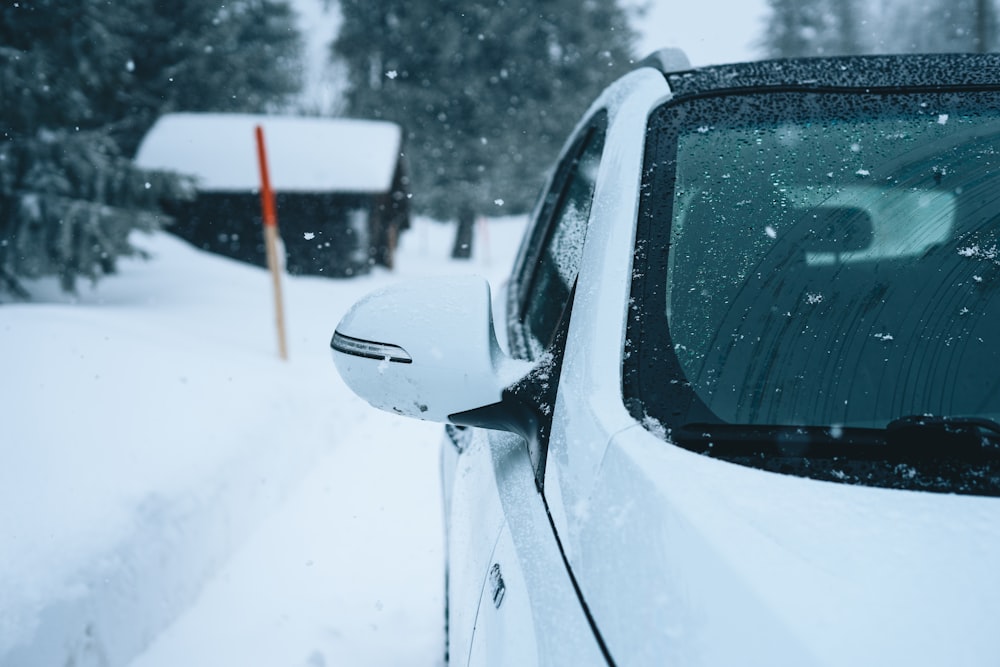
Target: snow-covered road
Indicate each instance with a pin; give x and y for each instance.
(347, 571)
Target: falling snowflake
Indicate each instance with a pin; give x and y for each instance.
(391, 74)
(308, 236)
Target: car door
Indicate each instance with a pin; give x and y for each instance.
(526, 600)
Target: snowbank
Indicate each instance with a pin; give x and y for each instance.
(149, 426)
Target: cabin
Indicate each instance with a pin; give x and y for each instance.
(340, 187)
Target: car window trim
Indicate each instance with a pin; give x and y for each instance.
(551, 200)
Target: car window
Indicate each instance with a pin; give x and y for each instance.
(823, 262)
(559, 246)
(832, 257)
(819, 271)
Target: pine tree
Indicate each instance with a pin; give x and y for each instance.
(846, 27)
(81, 83)
(941, 26)
(193, 55)
(486, 92)
(797, 28)
(846, 38)
(985, 25)
(68, 197)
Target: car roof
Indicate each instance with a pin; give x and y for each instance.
(951, 70)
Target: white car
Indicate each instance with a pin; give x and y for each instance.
(748, 412)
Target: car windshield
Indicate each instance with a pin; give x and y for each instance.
(820, 258)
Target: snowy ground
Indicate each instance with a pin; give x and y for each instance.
(161, 463)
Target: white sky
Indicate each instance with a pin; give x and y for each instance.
(709, 31)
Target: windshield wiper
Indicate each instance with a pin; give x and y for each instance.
(765, 440)
(932, 433)
(909, 437)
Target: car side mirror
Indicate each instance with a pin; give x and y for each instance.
(425, 349)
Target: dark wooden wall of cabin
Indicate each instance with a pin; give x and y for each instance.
(317, 229)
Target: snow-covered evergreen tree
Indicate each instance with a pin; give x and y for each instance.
(798, 28)
(846, 27)
(940, 26)
(486, 91)
(196, 55)
(81, 82)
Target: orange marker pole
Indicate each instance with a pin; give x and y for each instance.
(271, 240)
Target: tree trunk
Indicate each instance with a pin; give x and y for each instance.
(463, 235)
(984, 26)
(849, 43)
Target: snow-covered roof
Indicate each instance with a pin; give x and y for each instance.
(304, 154)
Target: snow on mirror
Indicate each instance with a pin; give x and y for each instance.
(424, 349)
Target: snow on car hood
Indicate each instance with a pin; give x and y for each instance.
(689, 560)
